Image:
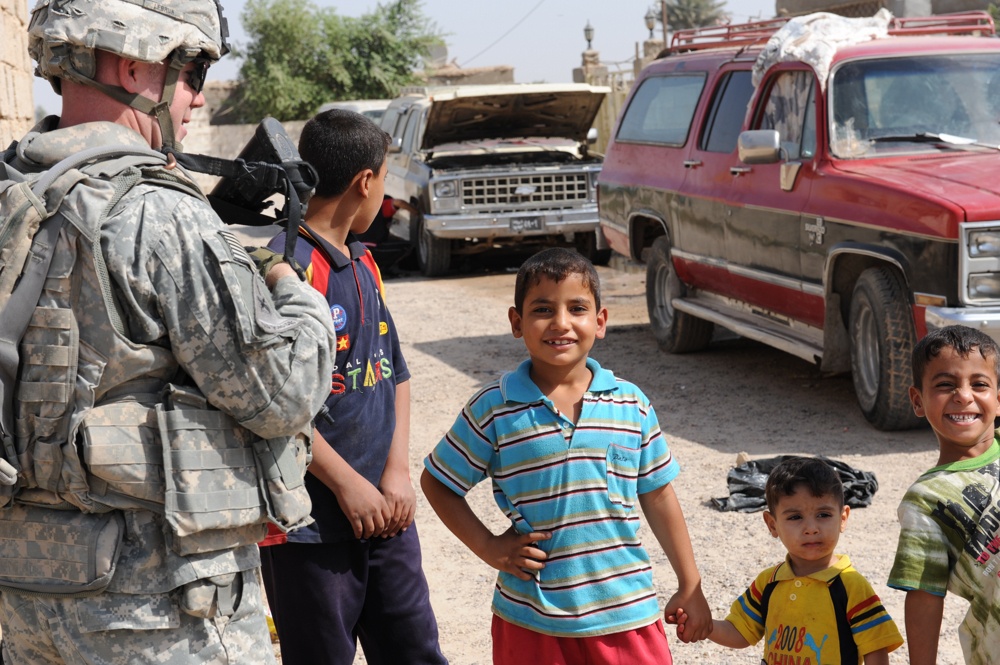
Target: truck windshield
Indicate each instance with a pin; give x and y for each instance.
(894, 105)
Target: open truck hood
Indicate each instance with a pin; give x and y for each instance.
(477, 112)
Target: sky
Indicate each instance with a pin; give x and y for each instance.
(541, 39)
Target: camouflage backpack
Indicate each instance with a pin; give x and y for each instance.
(30, 223)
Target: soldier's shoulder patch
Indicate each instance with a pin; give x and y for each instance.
(237, 250)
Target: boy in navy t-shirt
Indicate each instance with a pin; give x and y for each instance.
(356, 570)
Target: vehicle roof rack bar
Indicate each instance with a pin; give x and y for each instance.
(959, 23)
(716, 36)
(758, 32)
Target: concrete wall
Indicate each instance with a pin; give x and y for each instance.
(16, 97)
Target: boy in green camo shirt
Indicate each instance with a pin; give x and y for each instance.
(950, 517)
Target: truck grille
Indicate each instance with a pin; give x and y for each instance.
(515, 190)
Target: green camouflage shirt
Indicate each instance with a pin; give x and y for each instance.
(949, 541)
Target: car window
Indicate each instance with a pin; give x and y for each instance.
(725, 117)
(879, 104)
(390, 122)
(409, 133)
(661, 109)
(791, 110)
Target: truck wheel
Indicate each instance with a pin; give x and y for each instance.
(433, 254)
(882, 338)
(675, 332)
(586, 244)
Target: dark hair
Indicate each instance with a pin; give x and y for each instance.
(819, 477)
(962, 339)
(341, 144)
(556, 263)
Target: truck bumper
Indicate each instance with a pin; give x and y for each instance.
(985, 319)
(513, 224)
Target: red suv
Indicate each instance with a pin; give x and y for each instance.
(837, 213)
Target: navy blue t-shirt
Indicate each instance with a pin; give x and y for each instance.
(361, 406)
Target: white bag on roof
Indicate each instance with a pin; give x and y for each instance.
(814, 38)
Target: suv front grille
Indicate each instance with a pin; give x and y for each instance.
(545, 188)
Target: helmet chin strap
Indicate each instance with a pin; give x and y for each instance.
(160, 111)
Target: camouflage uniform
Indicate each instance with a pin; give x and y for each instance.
(181, 287)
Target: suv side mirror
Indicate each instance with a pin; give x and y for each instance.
(592, 136)
(760, 146)
(396, 145)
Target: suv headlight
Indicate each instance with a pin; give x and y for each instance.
(985, 285)
(984, 243)
(445, 189)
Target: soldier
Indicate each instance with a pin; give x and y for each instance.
(164, 387)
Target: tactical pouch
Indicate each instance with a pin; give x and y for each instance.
(282, 465)
(122, 450)
(50, 552)
(210, 476)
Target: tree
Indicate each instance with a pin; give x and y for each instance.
(683, 14)
(299, 56)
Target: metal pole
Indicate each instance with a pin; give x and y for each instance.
(663, 19)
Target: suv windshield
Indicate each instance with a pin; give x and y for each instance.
(915, 104)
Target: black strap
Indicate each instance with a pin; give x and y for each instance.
(16, 315)
(292, 178)
(838, 594)
(848, 649)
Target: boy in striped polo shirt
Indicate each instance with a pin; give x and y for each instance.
(570, 450)
(814, 607)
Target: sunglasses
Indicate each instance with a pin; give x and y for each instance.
(196, 75)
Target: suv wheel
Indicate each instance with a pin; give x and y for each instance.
(433, 254)
(675, 332)
(882, 338)
(586, 244)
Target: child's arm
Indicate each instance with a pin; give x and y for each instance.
(395, 481)
(922, 613)
(879, 657)
(509, 552)
(663, 513)
(361, 501)
(725, 634)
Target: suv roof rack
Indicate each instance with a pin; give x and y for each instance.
(718, 36)
(976, 23)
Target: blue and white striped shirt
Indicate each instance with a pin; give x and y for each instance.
(578, 482)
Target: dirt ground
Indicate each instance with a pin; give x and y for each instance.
(737, 396)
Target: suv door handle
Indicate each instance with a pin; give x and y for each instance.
(737, 170)
(691, 163)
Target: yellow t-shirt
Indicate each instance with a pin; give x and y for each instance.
(801, 626)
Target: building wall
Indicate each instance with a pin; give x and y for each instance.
(16, 97)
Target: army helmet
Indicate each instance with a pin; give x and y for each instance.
(64, 34)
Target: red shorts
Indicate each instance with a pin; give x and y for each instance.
(513, 645)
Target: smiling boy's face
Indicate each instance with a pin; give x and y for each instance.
(559, 321)
(958, 397)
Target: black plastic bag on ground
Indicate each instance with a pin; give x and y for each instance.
(746, 484)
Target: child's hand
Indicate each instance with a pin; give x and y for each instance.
(401, 499)
(678, 618)
(690, 612)
(364, 506)
(515, 553)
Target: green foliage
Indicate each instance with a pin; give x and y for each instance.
(683, 14)
(299, 56)
(995, 13)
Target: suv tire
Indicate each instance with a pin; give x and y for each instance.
(586, 244)
(675, 332)
(433, 254)
(882, 338)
